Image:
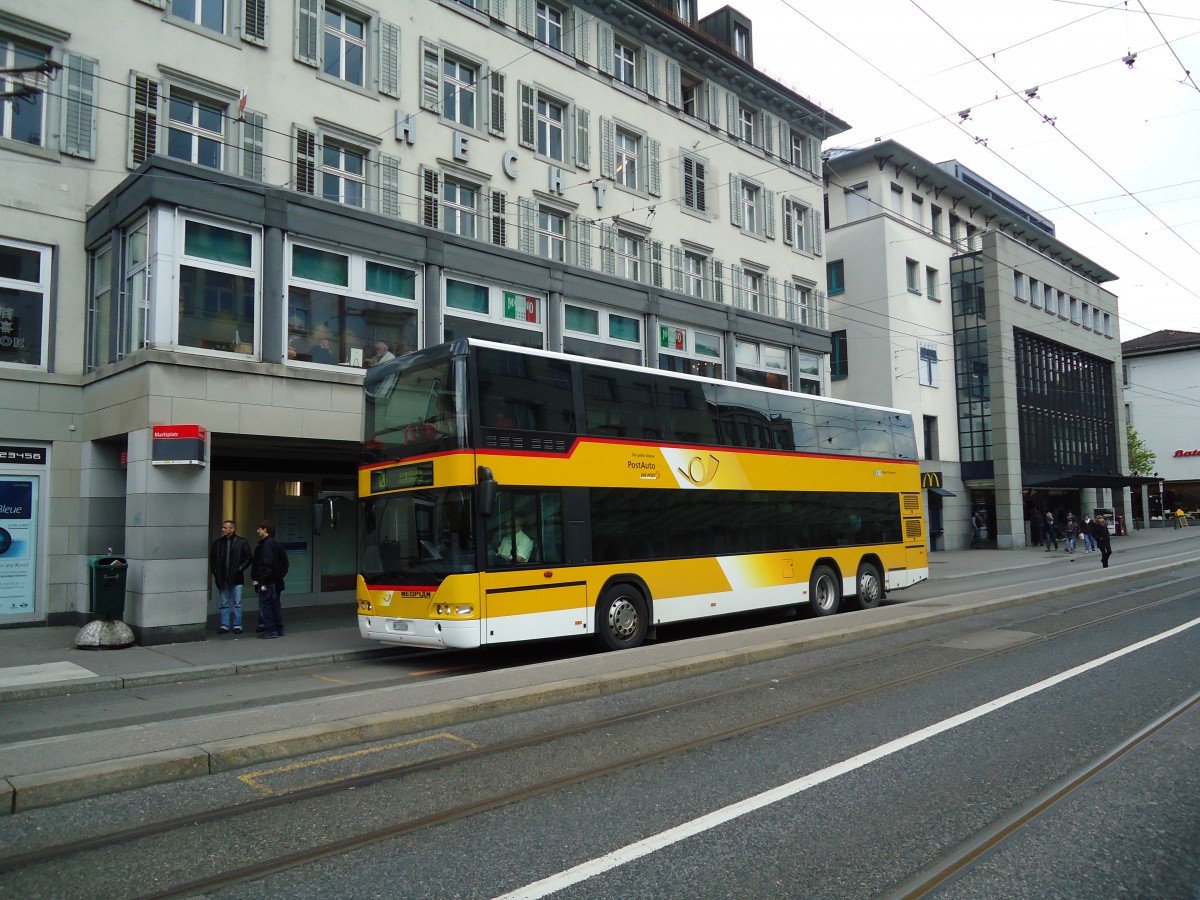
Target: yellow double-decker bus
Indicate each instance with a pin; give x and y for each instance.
(510, 494)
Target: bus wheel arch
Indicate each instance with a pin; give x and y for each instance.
(825, 588)
(623, 613)
(868, 584)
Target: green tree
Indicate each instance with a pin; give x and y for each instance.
(1141, 457)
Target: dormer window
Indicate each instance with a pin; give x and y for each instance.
(741, 41)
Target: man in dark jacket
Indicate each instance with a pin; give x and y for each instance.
(1100, 535)
(266, 572)
(228, 560)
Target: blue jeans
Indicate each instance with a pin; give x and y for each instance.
(231, 595)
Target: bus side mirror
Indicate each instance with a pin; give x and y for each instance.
(487, 491)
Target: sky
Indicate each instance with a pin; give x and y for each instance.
(1107, 147)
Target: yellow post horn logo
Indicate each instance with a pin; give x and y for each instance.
(697, 473)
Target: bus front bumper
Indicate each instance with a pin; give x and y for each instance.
(447, 635)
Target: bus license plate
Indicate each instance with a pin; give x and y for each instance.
(400, 626)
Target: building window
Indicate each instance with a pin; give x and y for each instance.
(809, 370)
(549, 25)
(135, 302)
(762, 364)
(205, 13)
(459, 208)
(493, 313)
(750, 199)
(625, 62)
(931, 437)
(22, 114)
(218, 288)
(343, 173)
(688, 351)
(747, 122)
(551, 118)
(100, 308)
(897, 197)
(931, 283)
(752, 283)
(458, 91)
(629, 255)
(552, 235)
(804, 304)
(1020, 286)
(911, 278)
(628, 146)
(927, 366)
(918, 210)
(686, 10)
(342, 307)
(839, 360)
(935, 219)
(741, 41)
(691, 95)
(803, 151)
(694, 265)
(195, 130)
(1035, 293)
(24, 303)
(601, 334)
(695, 191)
(858, 204)
(799, 226)
(835, 275)
(345, 46)
(1051, 306)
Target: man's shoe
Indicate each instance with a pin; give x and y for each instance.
(237, 629)
(222, 630)
(261, 628)
(270, 635)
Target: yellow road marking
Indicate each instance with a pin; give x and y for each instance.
(330, 680)
(446, 669)
(252, 779)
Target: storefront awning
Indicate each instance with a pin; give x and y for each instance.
(1088, 480)
(941, 492)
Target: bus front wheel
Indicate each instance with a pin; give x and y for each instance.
(621, 618)
(870, 587)
(824, 591)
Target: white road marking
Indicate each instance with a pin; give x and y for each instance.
(649, 845)
(18, 676)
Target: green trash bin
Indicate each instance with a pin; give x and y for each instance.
(108, 586)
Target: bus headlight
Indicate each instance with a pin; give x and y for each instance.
(464, 610)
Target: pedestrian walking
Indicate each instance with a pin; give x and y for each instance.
(266, 572)
(1035, 527)
(1072, 533)
(228, 559)
(1050, 531)
(976, 530)
(1100, 533)
(1085, 530)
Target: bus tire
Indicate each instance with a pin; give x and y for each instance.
(870, 586)
(622, 618)
(824, 591)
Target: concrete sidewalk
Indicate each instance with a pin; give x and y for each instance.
(43, 663)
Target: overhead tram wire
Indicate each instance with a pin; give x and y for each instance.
(1186, 72)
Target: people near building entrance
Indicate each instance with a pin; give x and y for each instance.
(1050, 532)
(1035, 527)
(976, 529)
(382, 354)
(266, 571)
(228, 560)
(1071, 533)
(522, 542)
(1100, 533)
(1085, 532)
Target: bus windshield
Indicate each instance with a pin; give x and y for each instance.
(418, 538)
(414, 407)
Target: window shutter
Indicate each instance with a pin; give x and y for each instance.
(732, 108)
(656, 263)
(525, 19)
(389, 185)
(143, 119)
(254, 22)
(77, 137)
(526, 225)
(789, 228)
(431, 79)
(305, 178)
(608, 138)
(790, 312)
(528, 100)
(714, 105)
(768, 205)
(495, 8)
(583, 243)
(655, 153)
(604, 37)
(768, 132)
(773, 295)
(817, 229)
(674, 85)
(735, 200)
(653, 76)
(583, 138)
(389, 59)
(499, 218)
(608, 247)
(308, 28)
(496, 93)
(718, 274)
(689, 183)
(252, 127)
(676, 268)
(739, 289)
(582, 36)
(431, 190)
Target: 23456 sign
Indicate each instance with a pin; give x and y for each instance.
(29, 455)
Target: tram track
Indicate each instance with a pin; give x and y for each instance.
(284, 861)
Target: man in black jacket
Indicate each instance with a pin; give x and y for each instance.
(228, 560)
(266, 572)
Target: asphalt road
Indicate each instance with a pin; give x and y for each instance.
(839, 771)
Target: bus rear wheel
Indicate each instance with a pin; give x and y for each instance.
(824, 591)
(870, 587)
(622, 618)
